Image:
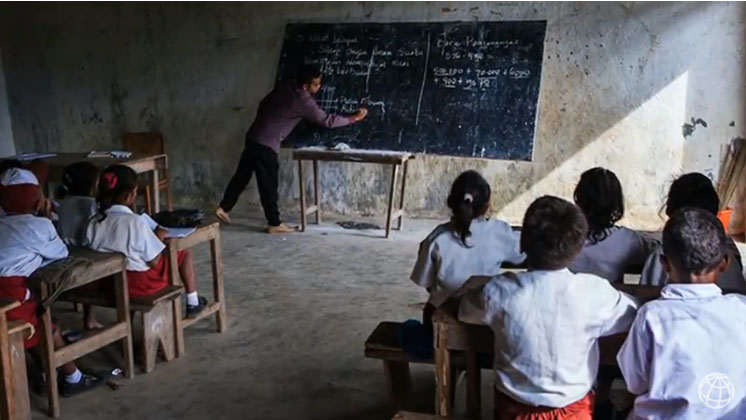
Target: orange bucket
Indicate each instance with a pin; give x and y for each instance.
(724, 216)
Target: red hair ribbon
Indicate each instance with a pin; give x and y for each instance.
(110, 180)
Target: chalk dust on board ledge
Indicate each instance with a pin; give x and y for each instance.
(348, 224)
(341, 147)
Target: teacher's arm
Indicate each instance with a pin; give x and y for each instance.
(313, 113)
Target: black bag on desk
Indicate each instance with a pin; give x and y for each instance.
(179, 218)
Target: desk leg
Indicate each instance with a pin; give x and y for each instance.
(302, 196)
(217, 282)
(173, 272)
(6, 405)
(316, 192)
(123, 315)
(392, 193)
(21, 409)
(473, 386)
(48, 358)
(401, 196)
(155, 192)
(443, 379)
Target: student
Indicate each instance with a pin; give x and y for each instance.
(28, 242)
(683, 357)
(469, 244)
(695, 190)
(41, 171)
(77, 202)
(609, 249)
(547, 320)
(118, 229)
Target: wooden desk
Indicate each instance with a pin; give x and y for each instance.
(207, 232)
(104, 265)
(7, 406)
(138, 162)
(450, 334)
(395, 159)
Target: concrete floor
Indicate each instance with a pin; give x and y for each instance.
(300, 307)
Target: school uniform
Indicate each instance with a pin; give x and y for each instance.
(444, 263)
(610, 257)
(125, 232)
(73, 213)
(730, 280)
(27, 243)
(683, 357)
(547, 325)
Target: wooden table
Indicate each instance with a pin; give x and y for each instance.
(450, 334)
(138, 162)
(395, 159)
(207, 232)
(104, 266)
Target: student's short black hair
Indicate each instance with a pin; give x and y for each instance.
(694, 240)
(692, 190)
(307, 73)
(599, 195)
(79, 179)
(553, 233)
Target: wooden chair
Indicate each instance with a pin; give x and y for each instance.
(158, 325)
(14, 401)
(150, 143)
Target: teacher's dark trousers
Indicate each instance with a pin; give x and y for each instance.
(264, 161)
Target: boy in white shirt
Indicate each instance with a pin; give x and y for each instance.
(547, 320)
(683, 357)
(609, 249)
(27, 243)
(468, 245)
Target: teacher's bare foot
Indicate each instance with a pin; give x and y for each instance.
(222, 215)
(281, 228)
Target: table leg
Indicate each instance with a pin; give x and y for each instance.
(173, 272)
(401, 196)
(302, 197)
(217, 282)
(6, 405)
(155, 193)
(443, 378)
(392, 192)
(316, 192)
(48, 359)
(473, 386)
(123, 315)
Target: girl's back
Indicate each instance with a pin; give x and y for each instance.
(611, 257)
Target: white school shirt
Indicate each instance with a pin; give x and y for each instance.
(73, 213)
(731, 279)
(28, 243)
(610, 257)
(547, 325)
(675, 350)
(444, 264)
(125, 232)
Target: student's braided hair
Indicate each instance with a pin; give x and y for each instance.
(115, 183)
(469, 198)
(599, 195)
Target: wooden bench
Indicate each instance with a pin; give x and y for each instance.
(157, 314)
(383, 344)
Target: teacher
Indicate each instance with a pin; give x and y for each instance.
(278, 114)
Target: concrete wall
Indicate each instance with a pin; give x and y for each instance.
(7, 147)
(619, 81)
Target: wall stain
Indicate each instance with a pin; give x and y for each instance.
(688, 129)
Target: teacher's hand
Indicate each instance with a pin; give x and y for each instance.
(360, 114)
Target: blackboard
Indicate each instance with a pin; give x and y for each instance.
(446, 88)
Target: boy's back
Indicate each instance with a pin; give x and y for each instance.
(546, 326)
(685, 355)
